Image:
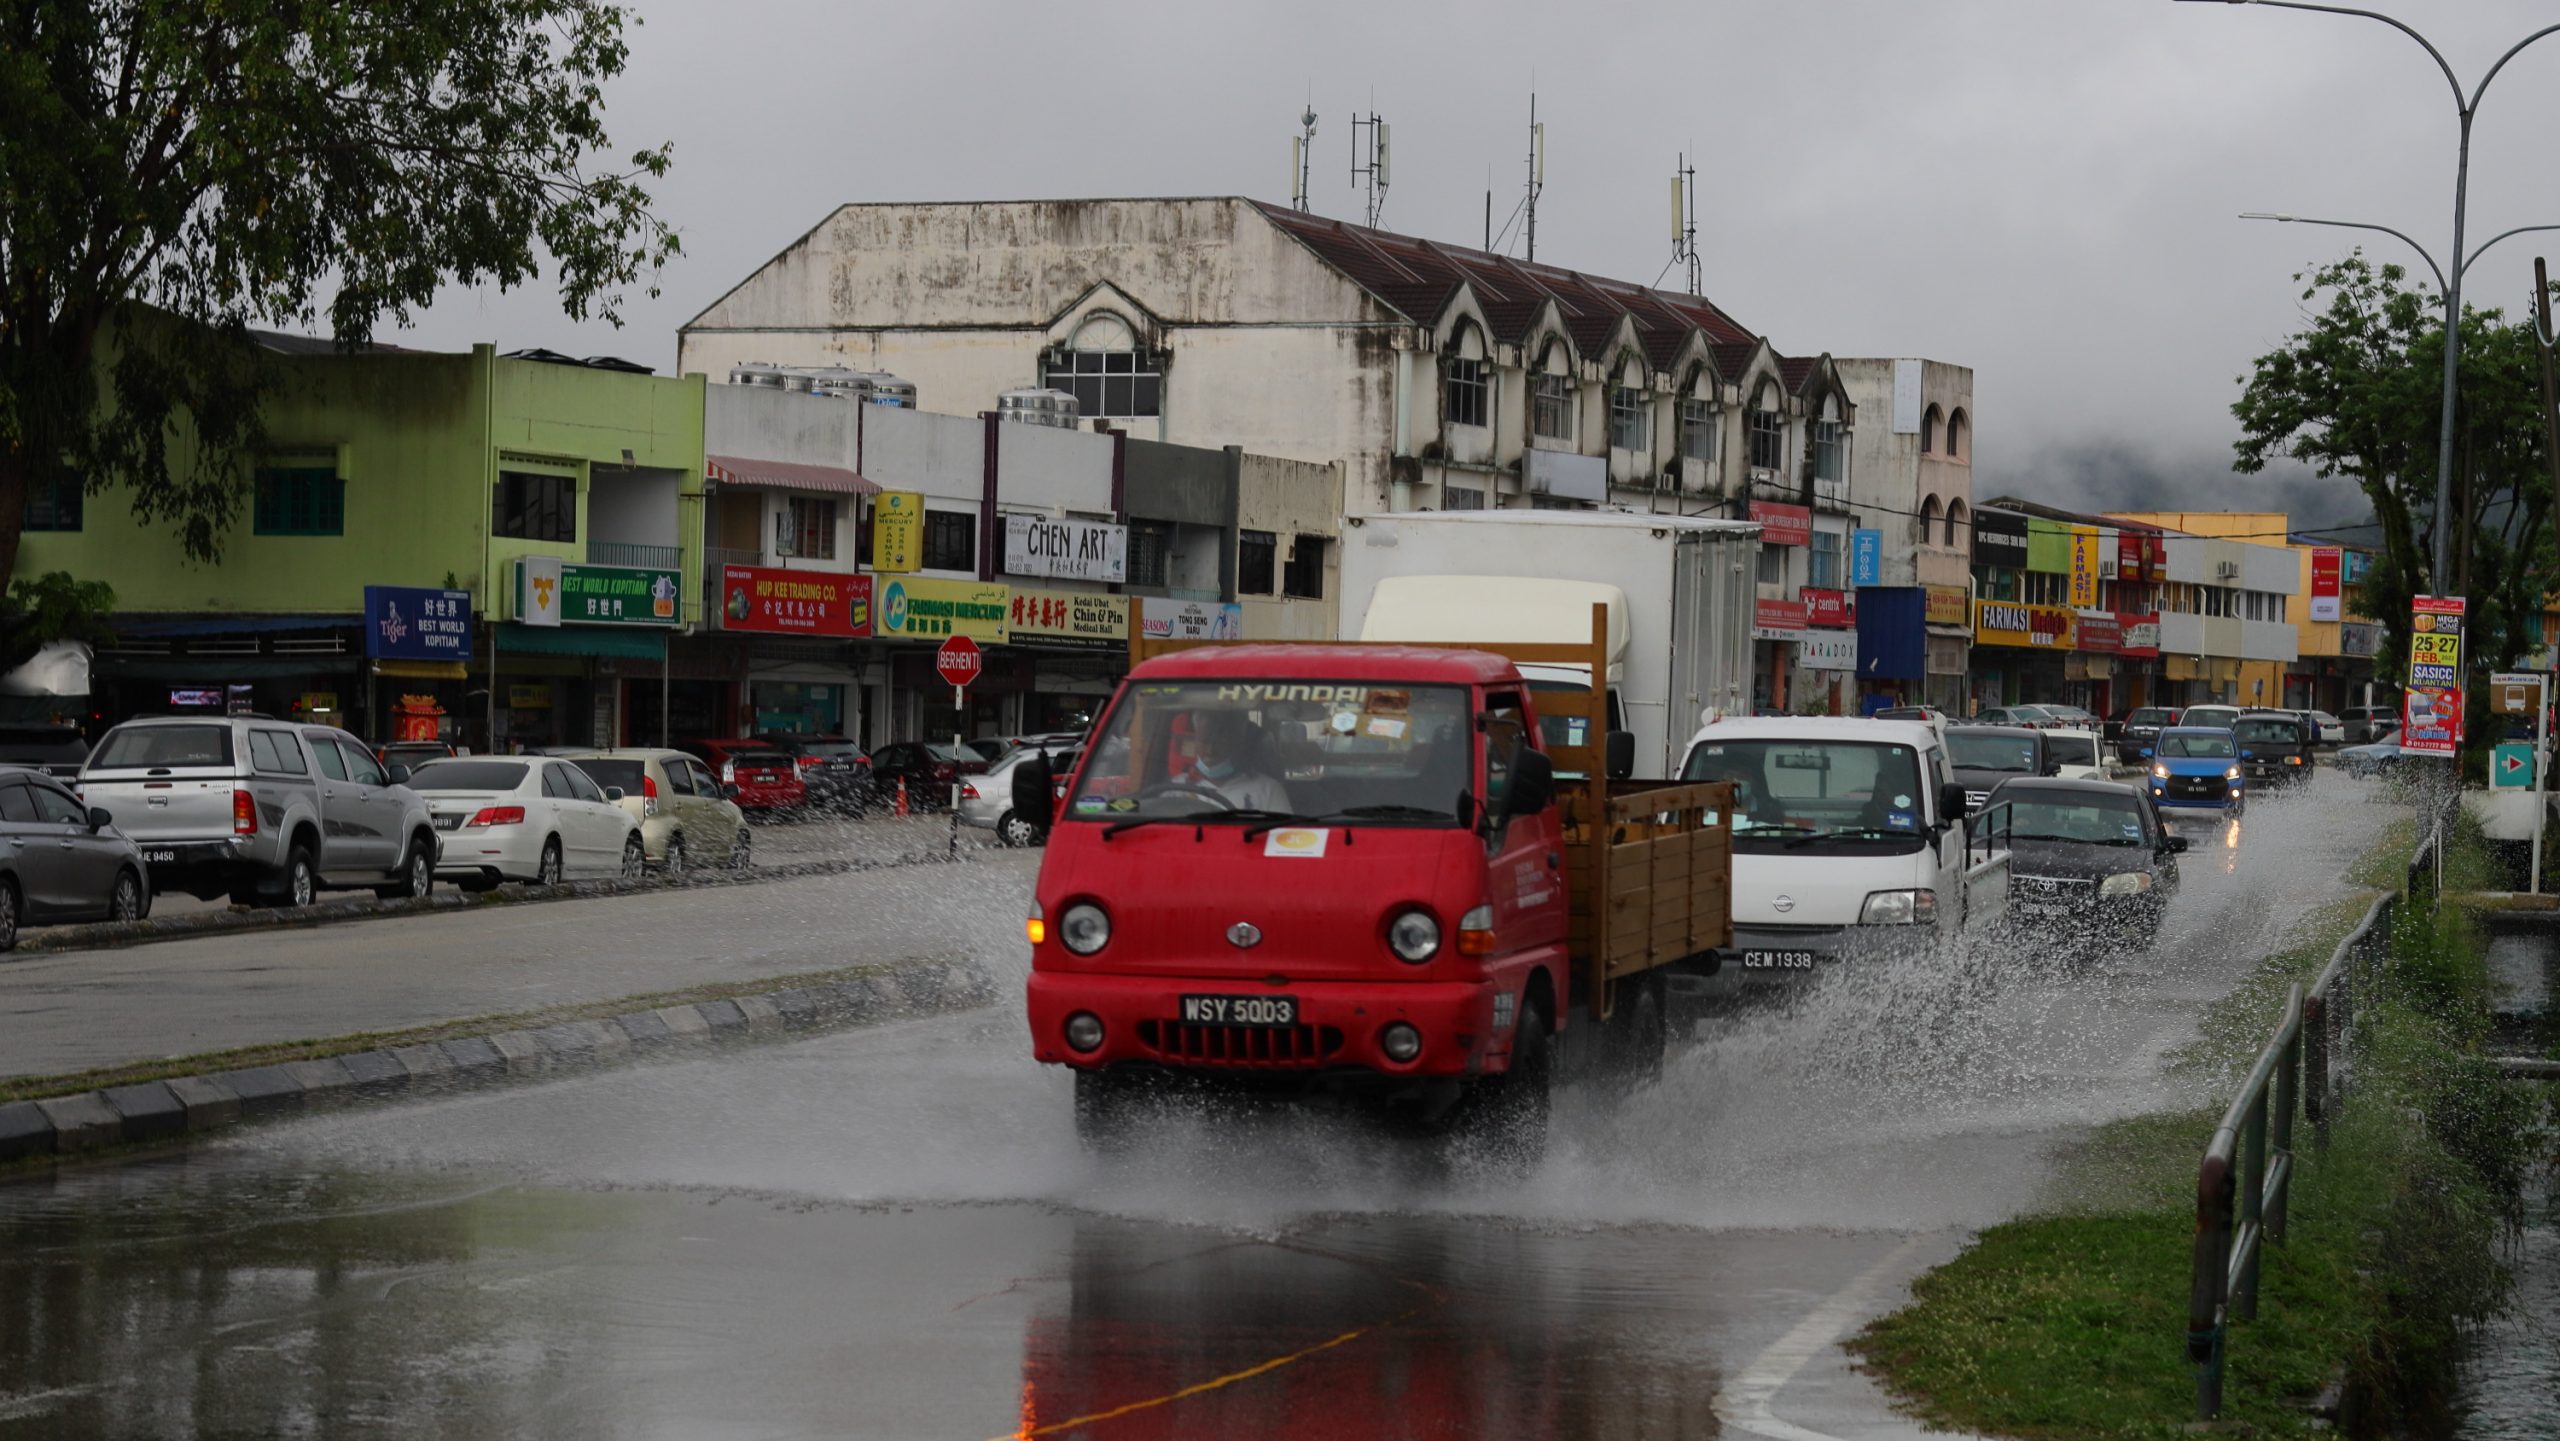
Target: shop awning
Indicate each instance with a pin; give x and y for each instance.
(582, 640)
(420, 669)
(785, 475)
(181, 625)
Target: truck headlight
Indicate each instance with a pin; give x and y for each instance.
(1899, 908)
(1086, 928)
(1414, 936)
(2130, 883)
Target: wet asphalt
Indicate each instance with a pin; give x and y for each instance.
(892, 1233)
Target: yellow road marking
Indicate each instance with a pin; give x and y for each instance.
(1029, 1431)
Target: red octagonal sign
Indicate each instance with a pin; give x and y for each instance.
(958, 660)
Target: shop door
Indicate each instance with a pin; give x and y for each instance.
(693, 710)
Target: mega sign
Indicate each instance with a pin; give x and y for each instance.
(410, 623)
(2005, 622)
(794, 602)
(1067, 549)
(2431, 712)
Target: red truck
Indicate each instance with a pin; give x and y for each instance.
(1331, 868)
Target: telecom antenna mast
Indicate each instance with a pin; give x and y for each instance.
(1684, 220)
(1301, 148)
(1537, 171)
(1371, 177)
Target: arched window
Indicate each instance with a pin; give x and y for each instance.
(1928, 526)
(1700, 419)
(1107, 373)
(1551, 395)
(1955, 522)
(1768, 429)
(1469, 398)
(1830, 446)
(1629, 407)
(1930, 424)
(1958, 433)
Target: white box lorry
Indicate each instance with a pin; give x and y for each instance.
(1679, 593)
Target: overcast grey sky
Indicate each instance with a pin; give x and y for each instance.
(2041, 189)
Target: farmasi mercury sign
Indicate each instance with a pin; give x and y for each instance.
(1067, 549)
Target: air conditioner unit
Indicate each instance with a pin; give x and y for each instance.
(1669, 479)
(2226, 569)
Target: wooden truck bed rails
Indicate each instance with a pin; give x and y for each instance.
(1652, 881)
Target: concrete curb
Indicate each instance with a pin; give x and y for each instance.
(192, 1105)
(111, 935)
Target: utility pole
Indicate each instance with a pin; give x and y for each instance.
(1537, 170)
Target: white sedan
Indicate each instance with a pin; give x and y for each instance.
(526, 818)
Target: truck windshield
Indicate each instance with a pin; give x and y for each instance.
(1981, 751)
(1790, 792)
(142, 747)
(1244, 750)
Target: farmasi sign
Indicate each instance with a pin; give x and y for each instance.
(1066, 549)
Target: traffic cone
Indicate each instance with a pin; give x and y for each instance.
(902, 795)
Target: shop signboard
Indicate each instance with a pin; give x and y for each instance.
(2359, 637)
(1066, 549)
(2431, 711)
(2139, 635)
(538, 590)
(404, 622)
(1167, 619)
(523, 695)
(618, 595)
(1779, 620)
(794, 602)
(1828, 650)
(897, 532)
(1999, 540)
(914, 608)
(1866, 558)
(2328, 569)
(1828, 608)
(1070, 618)
(2084, 566)
(1946, 605)
(2006, 622)
(1783, 524)
(2098, 631)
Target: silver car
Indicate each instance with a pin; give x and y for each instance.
(61, 860)
(986, 801)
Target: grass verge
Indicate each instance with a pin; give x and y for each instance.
(25, 1088)
(2071, 1322)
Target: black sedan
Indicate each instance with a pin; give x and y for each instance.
(2276, 747)
(2089, 857)
(1984, 756)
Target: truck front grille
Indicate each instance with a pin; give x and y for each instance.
(1200, 1045)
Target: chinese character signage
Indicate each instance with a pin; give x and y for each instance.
(2003, 622)
(2098, 631)
(794, 602)
(2431, 713)
(2084, 566)
(409, 623)
(912, 608)
(2328, 569)
(1783, 524)
(1946, 605)
(1066, 549)
(1070, 618)
(1165, 619)
(1866, 559)
(2138, 634)
(897, 532)
(1780, 619)
(550, 591)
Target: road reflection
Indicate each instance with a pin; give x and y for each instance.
(1377, 1331)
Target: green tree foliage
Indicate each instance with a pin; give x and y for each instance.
(251, 162)
(2357, 393)
(53, 606)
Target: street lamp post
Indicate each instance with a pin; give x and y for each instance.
(2465, 107)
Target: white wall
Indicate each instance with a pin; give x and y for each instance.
(1043, 468)
(938, 455)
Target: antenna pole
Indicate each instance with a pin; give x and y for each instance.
(1301, 154)
(1371, 177)
(1537, 170)
(1684, 220)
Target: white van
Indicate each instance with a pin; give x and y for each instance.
(1849, 839)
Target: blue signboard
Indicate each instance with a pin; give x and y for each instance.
(412, 623)
(1866, 557)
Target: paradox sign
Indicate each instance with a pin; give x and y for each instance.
(1066, 549)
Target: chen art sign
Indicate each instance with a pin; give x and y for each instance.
(1066, 549)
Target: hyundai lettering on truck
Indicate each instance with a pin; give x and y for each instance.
(1350, 870)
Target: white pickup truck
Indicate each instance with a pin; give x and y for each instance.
(1849, 841)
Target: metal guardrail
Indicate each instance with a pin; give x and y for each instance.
(2244, 1186)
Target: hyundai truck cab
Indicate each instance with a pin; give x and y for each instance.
(1849, 840)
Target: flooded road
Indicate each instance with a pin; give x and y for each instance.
(892, 1233)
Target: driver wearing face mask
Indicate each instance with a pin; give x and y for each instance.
(1227, 757)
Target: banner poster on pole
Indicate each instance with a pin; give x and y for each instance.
(2431, 712)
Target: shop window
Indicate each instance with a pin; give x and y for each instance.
(534, 506)
(1305, 580)
(300, 501)
(1823, 562)
(1150, 548)
(1830, 459)
(1768, 437)
(950, 540)
(1467, 404)
(55, 503)
(1773, 564)
(1627, 409)
(1551, 408)
(806, 527)
(1698, 420)
(1257, 562)
(1461, 497)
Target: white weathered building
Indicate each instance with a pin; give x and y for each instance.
(1911, 481)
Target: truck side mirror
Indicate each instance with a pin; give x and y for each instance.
(1031, 786)
(1622, 755)
(1952, 805)
(1533, 784)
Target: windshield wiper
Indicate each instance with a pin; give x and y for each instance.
(1393, 813)
(1186, 818)
(1866, 833)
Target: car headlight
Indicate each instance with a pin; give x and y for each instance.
(1086, 928)
(2159, 772)
(2293, 760)
(1414, 936)
(2131, 883)
(2232, 774)
(1899, 908)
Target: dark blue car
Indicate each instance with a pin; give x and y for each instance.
(2195, 768)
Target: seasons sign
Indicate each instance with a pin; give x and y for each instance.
(2001, 622)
